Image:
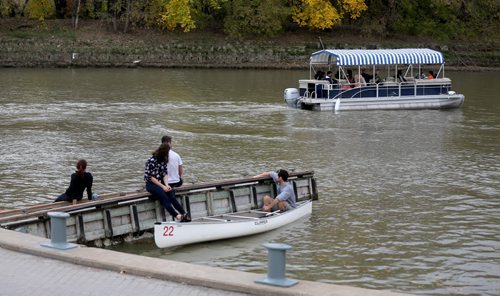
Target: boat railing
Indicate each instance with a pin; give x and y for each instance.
(386, 89)
(310, 94)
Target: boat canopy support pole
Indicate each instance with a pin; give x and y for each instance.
(440, 71)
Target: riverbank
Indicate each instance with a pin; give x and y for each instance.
(56, 44)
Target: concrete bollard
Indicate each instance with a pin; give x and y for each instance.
(276, 266)
(58, 232)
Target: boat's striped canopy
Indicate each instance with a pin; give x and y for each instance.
(355, 57)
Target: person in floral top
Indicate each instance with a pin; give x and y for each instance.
(156, 178)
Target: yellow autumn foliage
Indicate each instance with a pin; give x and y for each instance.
(40, 9)
(316, 14)
(322, 14)
(177, 13)
(354, 7)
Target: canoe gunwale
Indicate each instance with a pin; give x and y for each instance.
(220, 218)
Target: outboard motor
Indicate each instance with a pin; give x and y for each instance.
(291, 95)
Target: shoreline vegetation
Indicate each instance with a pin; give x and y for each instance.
(54, 43)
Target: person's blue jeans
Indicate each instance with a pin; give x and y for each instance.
(167, 199)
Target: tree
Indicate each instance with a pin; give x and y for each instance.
(10, 8)
(177, 13)
(152, 13)
(479, 18)
(40, 9)
(378, 18)
(434, 18)
(321, 14)
(208, 12)
(255, 17)
(76, 13)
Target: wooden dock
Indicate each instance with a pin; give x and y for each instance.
(118, 216)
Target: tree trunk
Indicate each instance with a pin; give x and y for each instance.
(115, 15)
(75, 17)
(127, 15)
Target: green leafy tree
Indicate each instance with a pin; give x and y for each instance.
(440, 19)
(13, 8)
(378, 17)
(480, 18)
(208, 13)
(435, 18)
(152, 13)
(88, 9)
(6, 8)
(255, 17)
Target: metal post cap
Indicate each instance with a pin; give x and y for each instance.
(277, 246)
(58, 214)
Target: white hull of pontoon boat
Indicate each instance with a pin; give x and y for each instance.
(386, 103)
(171, 234)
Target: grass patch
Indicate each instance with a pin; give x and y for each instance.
(63, 34)
(42, 32)
(21, 34)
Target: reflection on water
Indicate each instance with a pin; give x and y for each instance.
(408, 199)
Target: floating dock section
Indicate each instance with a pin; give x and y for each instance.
(119, 216)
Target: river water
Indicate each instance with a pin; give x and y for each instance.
(408, 200)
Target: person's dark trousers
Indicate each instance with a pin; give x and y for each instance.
(173, 197)
(62, 197)
(175, 202)
(65, 197)
(178, 184)
(167, 199)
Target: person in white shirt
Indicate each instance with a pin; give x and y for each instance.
(174, 165)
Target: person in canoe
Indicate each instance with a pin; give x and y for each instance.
(156, 178)
(80, 180)
(285, 198)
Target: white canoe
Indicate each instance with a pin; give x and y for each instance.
(171, 234)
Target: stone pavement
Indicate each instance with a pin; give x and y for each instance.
(23, 274)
